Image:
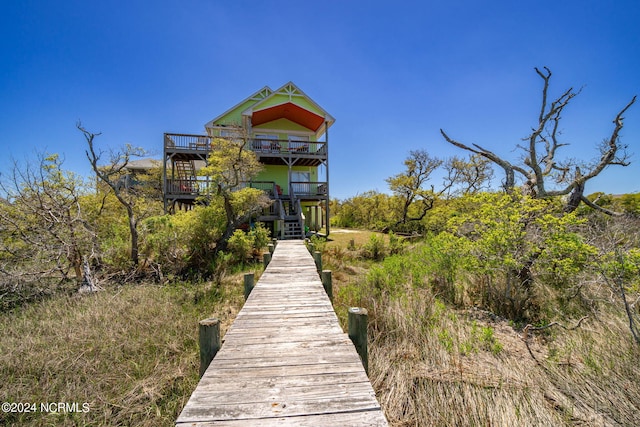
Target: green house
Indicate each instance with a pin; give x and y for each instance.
(288, 131)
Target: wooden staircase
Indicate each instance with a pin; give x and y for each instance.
(293, 221)
(293, 229)
(185, 169)
(186, 176)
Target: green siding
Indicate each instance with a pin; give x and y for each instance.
(278, 99)
(280, 174)
(234, 117)
(282, 124)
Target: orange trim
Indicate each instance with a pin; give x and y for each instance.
(289, 111)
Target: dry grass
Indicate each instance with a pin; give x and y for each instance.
(130, 353)
(432, 365)
(340, 237)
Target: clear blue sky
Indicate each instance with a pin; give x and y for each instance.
(391, 73)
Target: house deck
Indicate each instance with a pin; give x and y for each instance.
(285, 360)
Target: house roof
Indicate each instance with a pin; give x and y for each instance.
(287, 102)
(143, 164)
(259, 95)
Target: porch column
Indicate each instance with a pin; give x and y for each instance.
(326, 139)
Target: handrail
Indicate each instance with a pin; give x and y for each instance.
(281, 209)
(301, 215)
(261, 146)
(264, 146)
(309, 188)
(188, 141)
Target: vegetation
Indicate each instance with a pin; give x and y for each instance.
(544, 175)
(129, 352)
(441, 355)
(514, 307)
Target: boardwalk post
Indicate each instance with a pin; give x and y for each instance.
(327, 283)
(310, 247)
(248, 284)
(266, 259)
(317, 257)
(271, 248)
(209, 338)
(358, 333)
(271, 369)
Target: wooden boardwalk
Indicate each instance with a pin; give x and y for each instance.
(285, 360)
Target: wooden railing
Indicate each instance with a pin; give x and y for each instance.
(300, 188)
(185, 186)
(186, 141)
(260, 146)
(199, 185)
(285, 147)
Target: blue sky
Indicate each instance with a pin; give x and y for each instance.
(391, 73)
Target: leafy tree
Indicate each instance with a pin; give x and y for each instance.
(408, 186)
(516, 242)
(229, 167)
(43, 227)
(544, 175)
(631, 203)
(371, 210)
(467, 176)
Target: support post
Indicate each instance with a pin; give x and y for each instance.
(358, 334)
(271, 248)
(266, 259)
(248, 284)
(209, 339)
(317, 257)
(311, 248)
(327, 282)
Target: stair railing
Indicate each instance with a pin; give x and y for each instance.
(301, 217)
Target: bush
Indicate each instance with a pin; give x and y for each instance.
(374, 249)
(261, 237)
(240, 245)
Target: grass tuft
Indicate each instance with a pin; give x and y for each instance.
(129, 352)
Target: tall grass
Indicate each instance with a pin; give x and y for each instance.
(129, 352)
(436, 361)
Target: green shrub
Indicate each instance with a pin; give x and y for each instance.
(375, 248)
(261, 237)
(240, 245)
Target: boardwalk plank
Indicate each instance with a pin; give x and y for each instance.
(285, 360)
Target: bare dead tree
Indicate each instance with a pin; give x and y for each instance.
(543, 174)
(111, 173)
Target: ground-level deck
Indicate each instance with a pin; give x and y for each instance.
(285, 360)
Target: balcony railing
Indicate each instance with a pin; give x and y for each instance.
(185, 186)
(200, 185)
(263, 147)
(187, 142)
(315, 189)
(285, 147)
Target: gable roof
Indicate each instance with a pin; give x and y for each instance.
(288, 102)
(259, 95)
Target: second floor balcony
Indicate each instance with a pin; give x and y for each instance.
(269, 151)
(200, 186)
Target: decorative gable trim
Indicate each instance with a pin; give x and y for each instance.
(263, 93)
